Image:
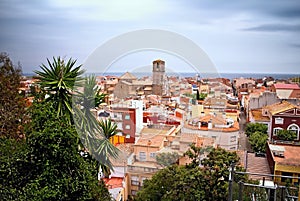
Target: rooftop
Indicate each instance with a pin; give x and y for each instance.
(291, 155)
(114, 182)
(286, 86)
(127, 76)
(257, 115)
(150, 140)
(280, 107)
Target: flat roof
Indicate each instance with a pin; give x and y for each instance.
(291, 155)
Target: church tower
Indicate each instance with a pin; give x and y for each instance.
(158, 77)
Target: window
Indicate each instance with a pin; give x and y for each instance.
(152, 155)
(278, 120)
(133, 192)
(135, 180)
(233, 139)
(127, 117)
(287, 174)
(276, 130)
(294, 128)
(127, 127)
(142, 156)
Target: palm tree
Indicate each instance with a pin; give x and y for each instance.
(57, 80)
(90, 98)
(94, 135)
(106, 148)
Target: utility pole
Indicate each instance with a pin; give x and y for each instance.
(231, 174)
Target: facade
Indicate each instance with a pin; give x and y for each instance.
(129, 117)
(156, 139)
(286, 91)
(143, 164)
(284, 160)
(158, 76)
(224, 131)
(283, 115)
(256, 116)
(125, 88)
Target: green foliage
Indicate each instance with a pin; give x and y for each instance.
(192, 182)
(296, 80)
(12, 104)
(94, 135)
(286, 135)
(57, 80)
(258, 141)
(51, 167)
(194, 153)
(254, 127)
(106, 149)
(14, 169)
(173, 183)
(198, 96)
(167, 159)
(61, 173)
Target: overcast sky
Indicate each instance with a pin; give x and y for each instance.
(238, 36)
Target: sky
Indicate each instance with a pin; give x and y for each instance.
(250, 36)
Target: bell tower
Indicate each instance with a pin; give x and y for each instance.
(158, 77)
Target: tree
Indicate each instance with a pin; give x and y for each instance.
(192, 182)
(167, 159)
(57, 80)
(194, 153)
(106, 149)
(173, 183)
(258, 141)
(12, 104)
(58, 171)
(13, 168)
(286, 135)
(253, 127)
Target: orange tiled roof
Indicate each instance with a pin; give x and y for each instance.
(286, 86)
(257, 115)
(280, 107)
(150, 140)
(114, 182)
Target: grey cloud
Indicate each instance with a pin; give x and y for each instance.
(295, 45)
(275, 28)
(268, 8)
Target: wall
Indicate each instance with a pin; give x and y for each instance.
(266, 98)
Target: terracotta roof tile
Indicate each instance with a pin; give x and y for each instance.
(280, 107)
(257, 115)
(286, 86)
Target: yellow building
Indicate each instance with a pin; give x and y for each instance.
(284, 160)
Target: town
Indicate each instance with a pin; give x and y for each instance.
(159, 115)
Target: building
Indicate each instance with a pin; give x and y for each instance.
(284, 160)
(129, 118)
(225, 131)
(143, 164)
(125, 88)
(283, 115)
(158, 77)
(157, 139)
(286, 91)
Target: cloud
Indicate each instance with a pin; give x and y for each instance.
(275, 28)
(295, 45)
